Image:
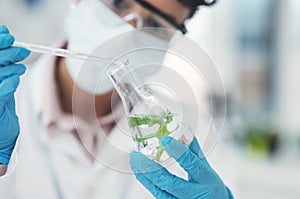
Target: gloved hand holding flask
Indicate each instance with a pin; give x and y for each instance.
(203, 182)
(153, 128)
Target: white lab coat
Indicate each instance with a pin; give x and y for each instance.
(39, 159)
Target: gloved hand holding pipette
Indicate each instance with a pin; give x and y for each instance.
(9, 80)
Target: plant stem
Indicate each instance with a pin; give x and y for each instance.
(150, 120)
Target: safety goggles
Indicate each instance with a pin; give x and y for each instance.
(154, 18)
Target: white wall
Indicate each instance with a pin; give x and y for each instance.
(40, 25)
(288, 67)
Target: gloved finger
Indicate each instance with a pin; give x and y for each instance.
(155, 191)
(9, 128)
(6, 40)
(7, 87)
(157, 174)
(11, 119)
(140, 163)
(11, 70)
(195, 147)
(11, 104)
(190, 162)
(3, 29)
(13, 54)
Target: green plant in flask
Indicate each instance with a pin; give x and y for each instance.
(148, 119)
(138, 120)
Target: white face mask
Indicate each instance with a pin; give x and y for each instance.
(89, 27)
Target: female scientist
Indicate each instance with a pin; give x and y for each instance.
(50, 160)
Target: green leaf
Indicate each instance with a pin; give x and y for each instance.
(150, 120)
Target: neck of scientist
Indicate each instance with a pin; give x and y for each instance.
(82, 101)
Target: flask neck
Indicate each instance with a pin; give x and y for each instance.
(129, 86)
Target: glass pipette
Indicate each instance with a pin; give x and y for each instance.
(61, 52)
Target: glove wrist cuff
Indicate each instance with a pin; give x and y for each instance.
(5, 153)
(4, 159)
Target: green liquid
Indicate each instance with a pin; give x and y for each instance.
(138, 120)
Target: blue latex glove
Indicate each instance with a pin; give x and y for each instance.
(9, 80)
(203, 183)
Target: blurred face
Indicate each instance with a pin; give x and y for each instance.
(169, 14)
(85, 34)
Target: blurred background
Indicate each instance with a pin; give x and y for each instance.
(256, 47)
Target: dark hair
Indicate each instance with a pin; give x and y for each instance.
(195, 4)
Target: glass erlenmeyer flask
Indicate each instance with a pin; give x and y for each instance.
(149, 119)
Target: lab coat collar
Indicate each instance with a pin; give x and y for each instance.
(115, 152)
